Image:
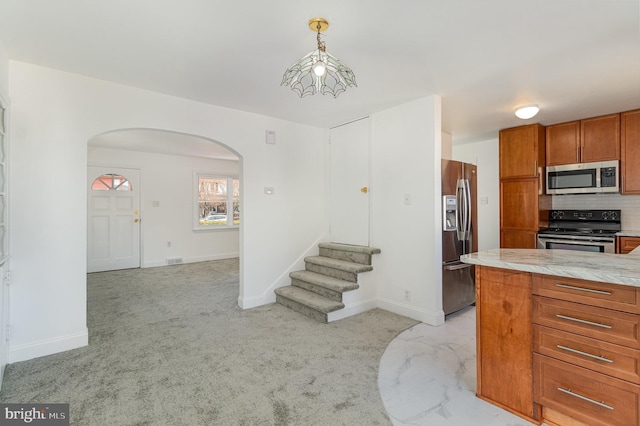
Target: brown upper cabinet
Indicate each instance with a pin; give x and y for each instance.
(522, 151)
(584, 141)
(630, 152)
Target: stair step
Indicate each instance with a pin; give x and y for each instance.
(342, 265)
(310, 304)
(317, 291)
(351, 248)
(336, 268)
(350, 253)
(323, 285)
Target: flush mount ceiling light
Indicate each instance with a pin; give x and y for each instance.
(319, 71)
(527, 112)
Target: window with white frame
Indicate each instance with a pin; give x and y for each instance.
(217, 200)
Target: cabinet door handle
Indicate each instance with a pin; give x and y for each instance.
(540, 186)
(597, 324)
(575, 351)
(584, 398)
(588, 290)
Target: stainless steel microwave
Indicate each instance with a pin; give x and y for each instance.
(583, 178)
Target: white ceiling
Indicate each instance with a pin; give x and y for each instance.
(574, 58)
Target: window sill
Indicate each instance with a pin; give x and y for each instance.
(217, 229)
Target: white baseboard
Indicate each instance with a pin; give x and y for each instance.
(28, 351)
(354, 309)
(254, 302)
(163, 262)
(428, 317)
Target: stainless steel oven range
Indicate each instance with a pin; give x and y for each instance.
(581, 230)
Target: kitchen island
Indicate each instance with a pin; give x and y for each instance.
(558, 335)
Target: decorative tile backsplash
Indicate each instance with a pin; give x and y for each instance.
(628, 204)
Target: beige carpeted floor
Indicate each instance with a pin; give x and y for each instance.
(169, 346)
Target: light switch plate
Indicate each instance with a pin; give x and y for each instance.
(270, 137)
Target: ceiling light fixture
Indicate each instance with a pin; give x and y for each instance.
(319, 71)
(527, 112)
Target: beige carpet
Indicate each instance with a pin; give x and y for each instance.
(169, 346)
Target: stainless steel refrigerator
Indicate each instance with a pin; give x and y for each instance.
(459, 234)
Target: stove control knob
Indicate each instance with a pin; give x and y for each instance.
(605, 215)
(613, 215)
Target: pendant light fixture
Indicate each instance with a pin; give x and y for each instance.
(318, 71)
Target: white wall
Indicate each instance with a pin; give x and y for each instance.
(406, 150)
(484, 154)
(4, 71)
(4, 290)
(168, 180)
(447, 146)
(56, 113)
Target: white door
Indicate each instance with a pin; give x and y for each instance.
(113, 219)
(350, 182)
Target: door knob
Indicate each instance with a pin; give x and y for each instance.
(136, 220)
(364, 189)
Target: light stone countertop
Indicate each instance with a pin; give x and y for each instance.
(605, 267)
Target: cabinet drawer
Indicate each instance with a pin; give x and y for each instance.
(590, 397)
(608, 358)
(605, 295)
(599, 323)
(627, 244)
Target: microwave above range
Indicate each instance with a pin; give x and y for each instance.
(583, 178)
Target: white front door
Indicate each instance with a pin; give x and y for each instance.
(113, 219)
(350, 182)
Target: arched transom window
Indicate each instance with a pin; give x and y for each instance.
(111, 182)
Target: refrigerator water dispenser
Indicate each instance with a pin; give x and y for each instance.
(449, 213)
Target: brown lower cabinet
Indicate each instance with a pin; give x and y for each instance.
(558, 350)
(627, 244)
(504, 340)
(579, 393)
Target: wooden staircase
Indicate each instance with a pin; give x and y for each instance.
(318, 290)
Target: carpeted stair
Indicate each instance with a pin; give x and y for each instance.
(318, 289)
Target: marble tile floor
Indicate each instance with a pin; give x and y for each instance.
(427, 376)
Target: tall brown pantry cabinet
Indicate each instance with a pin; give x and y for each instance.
(523, 205)
(630, 152)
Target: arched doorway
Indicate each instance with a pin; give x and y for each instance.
(169, 164)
